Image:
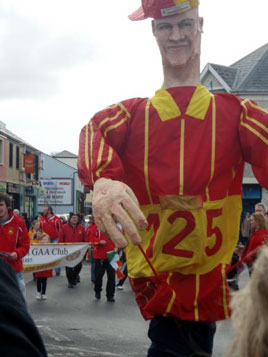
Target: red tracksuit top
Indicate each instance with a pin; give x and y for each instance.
(51, 225)
(72, 234)
(94, 236)
(14, 238)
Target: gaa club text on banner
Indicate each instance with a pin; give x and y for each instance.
(47, 256)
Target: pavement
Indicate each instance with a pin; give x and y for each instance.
(73, 323)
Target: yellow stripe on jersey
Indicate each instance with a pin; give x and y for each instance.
(123, 109)
(173, 297)
(91, 150)
(197, 288)
(86, 149)
(171, 302)
(213, 146)
(247, 117)
(254, 131)
(109, 159)
(104, 121)
(146, 150)
(225, 305)
(114, 126)
(181, 187)
(255, 106)
(100, 152)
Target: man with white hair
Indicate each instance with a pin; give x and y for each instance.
(169, 169)
(16, 212)
(260, 208)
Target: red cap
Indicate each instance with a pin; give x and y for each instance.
(158, 9)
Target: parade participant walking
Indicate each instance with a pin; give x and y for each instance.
(51, 225)
(257, 238)
(101, 246)
(41, 277)
(180, 155)
(32, 232)
(14, 240)
(73, 232)
(91, 226)
(245, 228)
(122, 255)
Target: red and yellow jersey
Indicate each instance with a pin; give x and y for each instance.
(182, 152)
(51, 225)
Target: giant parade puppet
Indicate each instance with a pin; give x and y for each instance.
(169, 169)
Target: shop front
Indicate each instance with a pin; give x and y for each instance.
(30, 202)
(14, 192)
(3, 187)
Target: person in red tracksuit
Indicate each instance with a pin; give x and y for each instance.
(14, 240)
(102, 245)
(257, 238)
(73, 232)
(51, 225)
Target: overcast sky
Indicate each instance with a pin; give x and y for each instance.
(63, 60)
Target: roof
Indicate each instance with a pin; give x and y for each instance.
(253, 71)
(65, 154)
(226, 73)
(4, 131)
(249, 74)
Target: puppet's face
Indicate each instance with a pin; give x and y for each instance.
(178, 37)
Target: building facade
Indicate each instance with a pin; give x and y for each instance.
(19, 171)
(246, 78)
(61, 187)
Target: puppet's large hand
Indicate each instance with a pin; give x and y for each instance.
(114, 202)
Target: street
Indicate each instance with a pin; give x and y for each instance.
(73, 323)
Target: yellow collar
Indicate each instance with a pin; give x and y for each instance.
(168, 109)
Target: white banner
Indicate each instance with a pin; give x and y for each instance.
(48, 256)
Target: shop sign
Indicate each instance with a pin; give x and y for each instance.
(3, 187)
(58, 192)
(29, 190)
(42, 192)
(13, 188)
(29, 163)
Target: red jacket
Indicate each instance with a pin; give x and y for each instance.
(257, 239)
(94, 236)
(72, 234)
(51, 226)
(14, 238)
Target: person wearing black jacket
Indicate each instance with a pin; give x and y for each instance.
(19, 336)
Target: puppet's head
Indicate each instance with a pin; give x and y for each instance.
(158, 9)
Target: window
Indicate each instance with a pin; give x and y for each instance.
(28, 176)
(10, 155)
(1, 151)
(17, 157)
(36, 168)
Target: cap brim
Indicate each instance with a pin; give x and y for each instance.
(137, 15)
